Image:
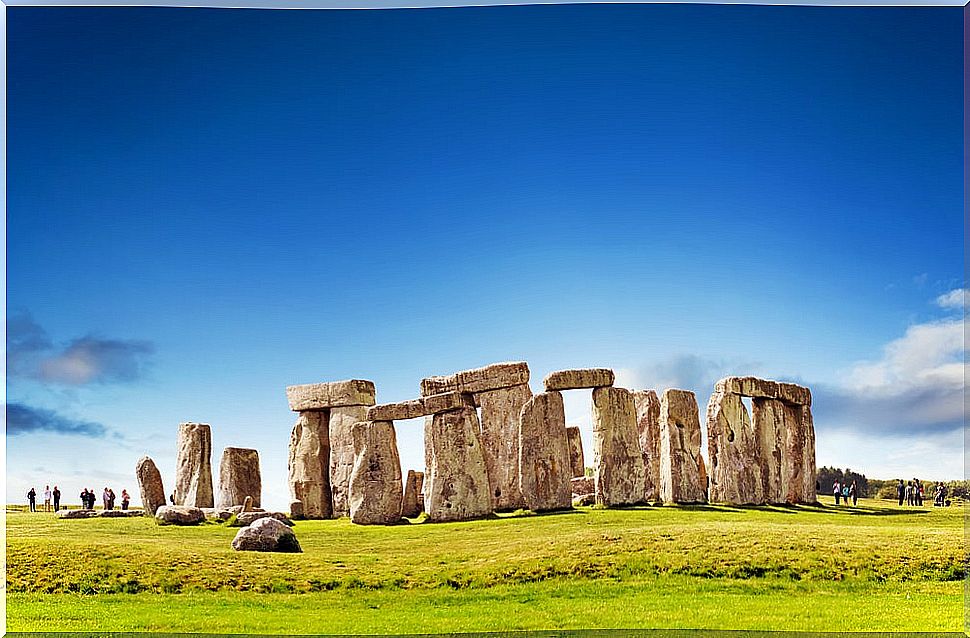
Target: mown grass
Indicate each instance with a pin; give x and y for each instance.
(840, 568)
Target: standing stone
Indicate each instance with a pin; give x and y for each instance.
(247, 505)
(809, 474)
(619, 471)
(413, 503)
(500, 411)
(648, 425)
(193, 468)
(375, 483)
(733, 449)
(683, 477)
(342, 420)
(793, 458)
(296, 510)
(577, 464)
(457, 487)
(544, 468)
(769, 429)
(239, 477)
(150, 485)
(309, 464)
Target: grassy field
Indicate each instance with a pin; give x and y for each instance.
(872, 567)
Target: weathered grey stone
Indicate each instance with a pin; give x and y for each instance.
(768, 421)
(457, 481)
(296, 510)
(375, 484)
(393, 411)
(218, 514)
(793, 457)
(580, 485)
(577, 464)
(335, 394)
(342, 421)
(584, 500)
(437, 403)
(490, 377)
(266, 535)
(413, 503)
(309, 464)
(500, 410)
(179, 515)
(683, 477)
(733, 450)
(193, 466)
(150, 485)
(247, 504)
(238, 509)
(648, 426)
(809, 472)
(544, 470)
(618, 468)
(239, 477)
(120, 513)
(578, 379)
(248, 518)
(765, 389)
(69, 514)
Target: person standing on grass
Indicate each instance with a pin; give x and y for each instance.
(104, 498)
(125, 499)
(909, 493)
(57, 498)
(917, 493)
(32, 499)
(901, 492)
(47, 498)
(845, 493)
(853, 492)
(836, 491)
(111, 499)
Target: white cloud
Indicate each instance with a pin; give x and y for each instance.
(955, 299)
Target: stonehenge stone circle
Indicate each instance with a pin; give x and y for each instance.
(193, 468)
(239, 477)
(577, 464)
(619, 472)
(648, 426)
(683, 477)
(500, 411)
(413, 503)
(456, 482)
(776, 451)
(309, 464)
(150, 485)
(266, 535)
(578, 379)
(375, 491)
(544, 468)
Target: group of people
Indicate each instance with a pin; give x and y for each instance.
(48, 496)
(88, 497)
(845, 491)
(913, 492)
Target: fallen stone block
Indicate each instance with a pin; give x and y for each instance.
(218, 514)
(266, 535)
(119, 513)
(335, 394)
(578, 379)
(248, 518)
(179, 515)
(72, 514)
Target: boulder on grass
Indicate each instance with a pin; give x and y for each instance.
(77, 514)
(248, 518)
(266, 535)
(119, 513)
(179, 515)
(218, 514)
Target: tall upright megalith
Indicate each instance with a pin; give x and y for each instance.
(375, 490)
(239, 477)
(620, 473)
(732, 446)
(321, 465)
(544, 468)
(193, 466)
(577, 463)
(413, 502)
(150, 485)
(456, 484)
(648, 426)
(683, 477)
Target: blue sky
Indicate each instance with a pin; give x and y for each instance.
(205, 206)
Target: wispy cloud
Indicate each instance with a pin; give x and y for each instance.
(24, 419)
(86, 360)
(686, 372)
(955, 299)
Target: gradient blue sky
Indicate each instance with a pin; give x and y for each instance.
(205, 206)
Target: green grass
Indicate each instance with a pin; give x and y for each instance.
(874, 567)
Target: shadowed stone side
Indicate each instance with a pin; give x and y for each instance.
(309, 465)
(193, 466)
(544, 470)
(457, 487)
(648, 426)
(577, 464)
(413, 503)
(793, 458)
(809, 473)
(375, 490)
(683, 477)
(500, 411)
(618, 471)
(733, 450)
(769, 422)
(150, 485)
(239, 477)
(342, 420)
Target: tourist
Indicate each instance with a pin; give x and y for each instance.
(32, 499)
(917, 493)
(909, 493)
(111, 499)
(836, 491)
(853, 492)
(57, 498)
(845, 493)
(47, 498)
(171, 498)
(125, 499)
(901, 492)
(105, 498)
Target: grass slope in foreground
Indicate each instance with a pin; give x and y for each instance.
(873, 567)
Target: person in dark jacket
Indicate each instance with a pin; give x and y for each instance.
(901, 492)
(32, 499)
(854, 493)
(57, 498)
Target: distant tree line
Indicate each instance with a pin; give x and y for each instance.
(828, 475)
(879, 488)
